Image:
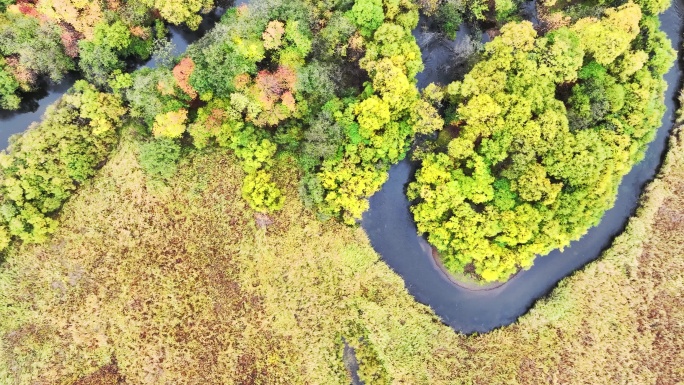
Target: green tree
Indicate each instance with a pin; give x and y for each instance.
(178, 12)
(367, 15)
(38, 47)
(8, 88)
(609, 37)
(103, 55)
(449, 17)
(152, 94)
(4, 4)
(159, 157)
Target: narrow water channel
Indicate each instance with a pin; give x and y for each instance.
(392, 232)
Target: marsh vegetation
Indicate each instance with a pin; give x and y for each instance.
(197, 221)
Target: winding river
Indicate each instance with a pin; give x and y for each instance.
(392, 232)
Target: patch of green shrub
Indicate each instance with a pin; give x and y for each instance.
(159, 157)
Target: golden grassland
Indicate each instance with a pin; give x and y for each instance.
(147, 283)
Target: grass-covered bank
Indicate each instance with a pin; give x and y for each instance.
(144, 278)
(178, 284)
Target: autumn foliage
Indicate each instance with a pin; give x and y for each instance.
(200, 272)
(170, 124)
(273, 34)
(48, 36)
(181, 73)
(273, 91)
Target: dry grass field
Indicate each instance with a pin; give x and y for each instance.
(150, 283)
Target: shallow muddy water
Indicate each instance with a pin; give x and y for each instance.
(392, 232)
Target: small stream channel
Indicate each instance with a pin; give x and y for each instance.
(392, 232)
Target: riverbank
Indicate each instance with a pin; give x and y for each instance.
(178, 282)
(466, 281)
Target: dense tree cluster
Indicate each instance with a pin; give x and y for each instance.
(44, 39)
(377, 126)
(181, 12)
(42, 168)
(545, 127)
(450, 14)
(29, 49)
(342, 99)
(106, 51)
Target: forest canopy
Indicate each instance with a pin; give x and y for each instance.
(543, 130)
(41, 40)
(342, 100)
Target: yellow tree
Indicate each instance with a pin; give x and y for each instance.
(170, 124)
(178, 12)
(83, 15)
(608, 38)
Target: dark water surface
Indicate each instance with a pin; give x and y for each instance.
(32, 108)
(392, 232)
(445, 60)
